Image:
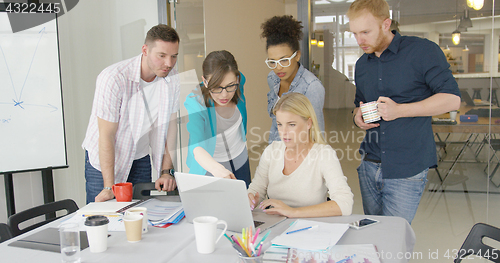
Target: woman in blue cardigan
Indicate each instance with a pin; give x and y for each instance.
(218, 121)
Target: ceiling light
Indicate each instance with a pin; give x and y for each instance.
(466, 48)
(313, 40)
(476, 4)
(455, 37)
(465, 20)
(321, 43)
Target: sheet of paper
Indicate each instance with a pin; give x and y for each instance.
(322, 237)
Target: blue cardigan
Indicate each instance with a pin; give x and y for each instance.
(202, 125)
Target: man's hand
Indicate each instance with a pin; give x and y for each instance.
(388, 109)
(358, 120)
(165, 183)
(104, 195)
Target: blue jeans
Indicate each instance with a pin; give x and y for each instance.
(140, 172)
(390, 197)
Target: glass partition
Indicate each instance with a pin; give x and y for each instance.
(463, 190)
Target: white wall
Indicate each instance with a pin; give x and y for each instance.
(90, 39)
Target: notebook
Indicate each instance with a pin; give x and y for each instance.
(47, 240)
(225, 199)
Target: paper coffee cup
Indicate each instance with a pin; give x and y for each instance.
(143, 211)
(133, 227)
(369, 112)
(97, 233)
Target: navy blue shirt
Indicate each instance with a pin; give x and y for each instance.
(411, 69)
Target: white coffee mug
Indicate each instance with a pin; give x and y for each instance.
(205, 232)
(143, 211)
(369, 112)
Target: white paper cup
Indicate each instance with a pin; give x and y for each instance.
(453, 115)
(369, 112)
(205, 232)
(133, 227)
(97, 233)
(143, 211)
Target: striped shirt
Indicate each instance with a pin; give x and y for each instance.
(118, 99)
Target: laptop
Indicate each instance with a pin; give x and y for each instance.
(226, 199)
(469, 101)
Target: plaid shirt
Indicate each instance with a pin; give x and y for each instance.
(118, 99)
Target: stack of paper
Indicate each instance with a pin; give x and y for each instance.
(321, 236)
(163, 213)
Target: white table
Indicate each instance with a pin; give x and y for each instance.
(393, 237)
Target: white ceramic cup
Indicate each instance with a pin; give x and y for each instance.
(205, 232)
(453, 115)
(143, 211)
(97, 233)
(369, 112)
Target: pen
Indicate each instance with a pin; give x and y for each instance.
(302, 229)
(239, 249)
(242, 245)
(256, 235)
(265, 236)
(230, 240)
(260, 250)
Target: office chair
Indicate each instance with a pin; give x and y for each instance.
(5, 232)
(14, 220)
(473, 244)
(142, 191)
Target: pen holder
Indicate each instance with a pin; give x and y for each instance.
(259, 259)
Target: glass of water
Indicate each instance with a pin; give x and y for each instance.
(69, 234)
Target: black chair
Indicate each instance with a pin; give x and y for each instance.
(142, 191)
(5, 232)
(473, 244)
(14, 220)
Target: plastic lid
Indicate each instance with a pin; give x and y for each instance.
(96, 221)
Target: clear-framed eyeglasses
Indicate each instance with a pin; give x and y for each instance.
(228, 88)
(284, 62)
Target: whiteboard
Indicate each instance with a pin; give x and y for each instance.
(31, 113)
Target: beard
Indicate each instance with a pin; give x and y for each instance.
(379, 45)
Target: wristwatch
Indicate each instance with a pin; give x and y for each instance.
(107, 188)
(168, 171)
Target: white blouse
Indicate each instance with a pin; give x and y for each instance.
(318, 176)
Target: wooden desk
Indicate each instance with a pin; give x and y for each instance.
(482, 126)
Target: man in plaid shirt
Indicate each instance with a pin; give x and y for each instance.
(134, 109)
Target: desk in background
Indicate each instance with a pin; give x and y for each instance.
(472, 129)
(176, 244)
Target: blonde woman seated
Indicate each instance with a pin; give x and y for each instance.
(298, 173)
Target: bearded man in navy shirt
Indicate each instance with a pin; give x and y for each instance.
(410, 79)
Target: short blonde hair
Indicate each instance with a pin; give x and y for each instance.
(378, 8)
(300, 105)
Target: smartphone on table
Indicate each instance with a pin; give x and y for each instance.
(365, 222)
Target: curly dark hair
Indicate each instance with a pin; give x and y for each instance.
(282, 30)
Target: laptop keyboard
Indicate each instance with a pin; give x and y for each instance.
(257, 223)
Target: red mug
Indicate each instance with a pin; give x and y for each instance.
(123, 192)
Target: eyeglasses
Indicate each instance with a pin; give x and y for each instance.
(228, 88)
(284, 62)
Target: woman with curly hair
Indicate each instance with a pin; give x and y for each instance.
(283, 34)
